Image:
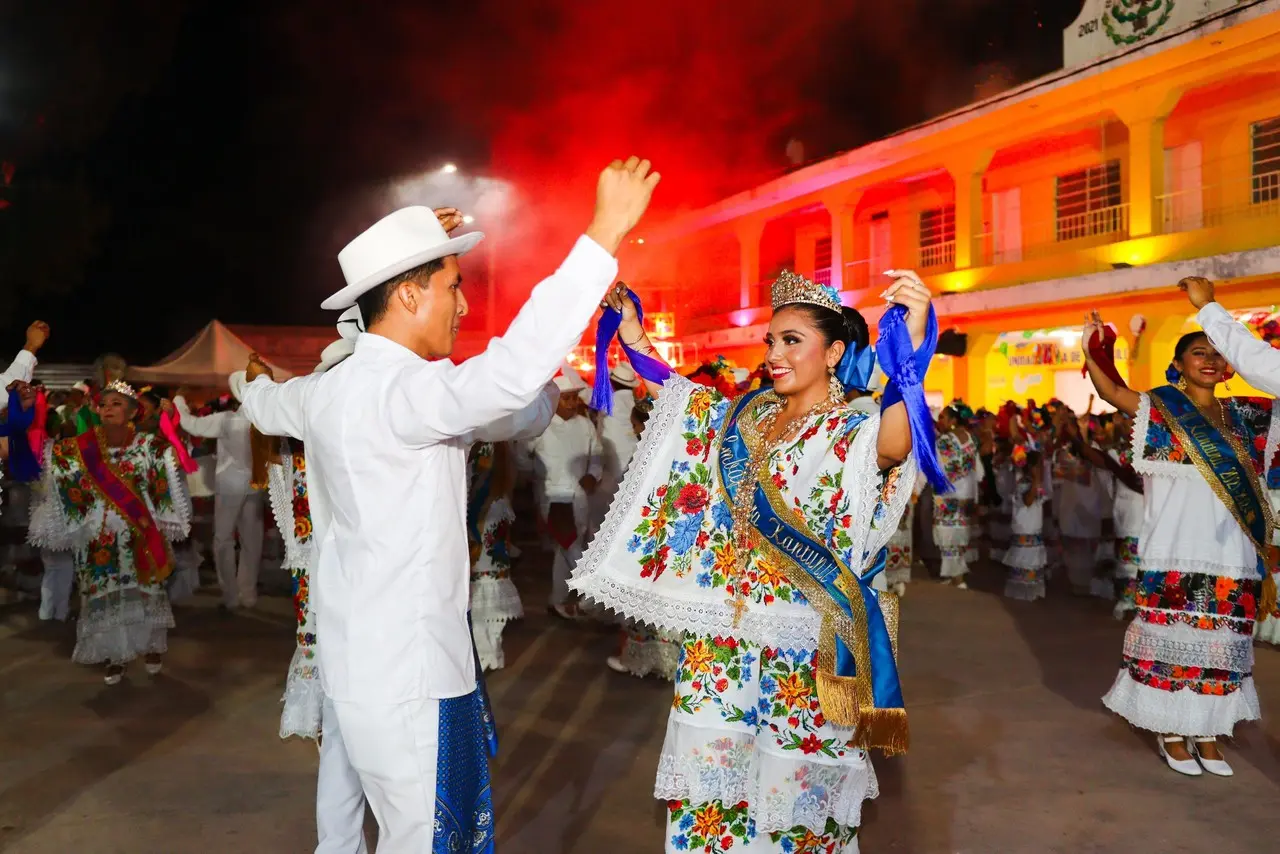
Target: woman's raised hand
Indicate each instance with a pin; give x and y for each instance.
(907, 290)
(619, 299)
(1093, 325)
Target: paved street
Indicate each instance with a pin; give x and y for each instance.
(1012, 752)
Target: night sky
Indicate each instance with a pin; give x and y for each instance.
(179, 161)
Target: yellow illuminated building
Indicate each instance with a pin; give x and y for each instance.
(1154, 155)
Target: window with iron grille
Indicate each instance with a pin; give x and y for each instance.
(1265, 149)
(822, 261)
(1089, 202)
(938, 236)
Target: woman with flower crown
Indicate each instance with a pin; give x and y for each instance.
(115, 498)
(754, 527)
(1188, 655)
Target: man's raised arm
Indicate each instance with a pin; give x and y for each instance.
(439, 403)
(276, 409)
(1257, 362)
(24, 364)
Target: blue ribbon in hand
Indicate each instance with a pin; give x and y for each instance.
(906, 371)
(23, 465)
(647, 368)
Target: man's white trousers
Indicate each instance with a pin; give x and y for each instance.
(234, 513)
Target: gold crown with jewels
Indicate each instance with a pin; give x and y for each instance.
(790, 288)
(122, 388)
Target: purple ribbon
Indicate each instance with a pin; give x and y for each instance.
(906, 371)
(649, 369)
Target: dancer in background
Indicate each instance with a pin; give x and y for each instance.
(900, 553)
(1026, 557)
(644, 649)
(1188, 654)
(238, 503)
(954, 514)
(114, 497)
(568, 457)
(1077, 501)
(617, 438)
(766, 746)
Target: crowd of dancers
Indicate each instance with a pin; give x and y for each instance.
(754, 532)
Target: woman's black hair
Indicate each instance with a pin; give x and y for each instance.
(1185, 342)
(848, 326)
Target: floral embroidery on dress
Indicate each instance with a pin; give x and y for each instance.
(1198, 599)
(711, 827)
(1175, 677)
(301, 504)
(959, 457)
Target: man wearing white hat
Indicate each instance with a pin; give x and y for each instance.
(237, 506)
(387, 434)
(568, 459)
(340, 799)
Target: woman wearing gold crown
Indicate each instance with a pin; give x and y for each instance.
(754, 527)
(115, 498)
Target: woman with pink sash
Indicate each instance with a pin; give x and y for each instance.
(115, 498)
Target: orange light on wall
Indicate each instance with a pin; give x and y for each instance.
(662, 325)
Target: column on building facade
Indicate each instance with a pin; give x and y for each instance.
(749, 232)
(1144, 114)
(840, 207)
(967, 170)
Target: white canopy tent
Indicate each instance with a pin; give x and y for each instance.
(206, 360)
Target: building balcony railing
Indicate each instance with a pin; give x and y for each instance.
(1054, 236)
(937, 258)
(1216, 205)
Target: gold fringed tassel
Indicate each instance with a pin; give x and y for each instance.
(885, 729)
(838, 696)
(1267, 599)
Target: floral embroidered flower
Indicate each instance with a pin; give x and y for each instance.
(793, 691)
(698, 657)
(693, 499)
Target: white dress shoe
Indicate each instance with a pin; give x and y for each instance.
(1190, 767)
(1216, 767)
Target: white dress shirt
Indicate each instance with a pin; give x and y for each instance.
(387, 435)
(1253, 359)
(22, 367)
(617, 436)
(235, 456)
(568, 451)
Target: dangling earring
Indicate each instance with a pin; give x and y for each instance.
(1181, 384)
(835, 389)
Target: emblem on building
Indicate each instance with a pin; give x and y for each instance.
(1130, 21)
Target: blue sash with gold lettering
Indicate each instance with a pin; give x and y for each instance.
(857, 674)
(1223, 463)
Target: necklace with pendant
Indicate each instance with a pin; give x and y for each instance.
(759, 451)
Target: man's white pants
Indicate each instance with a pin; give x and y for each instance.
(394, 750)
(242, 513)
(339, 797)
(55, 586)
